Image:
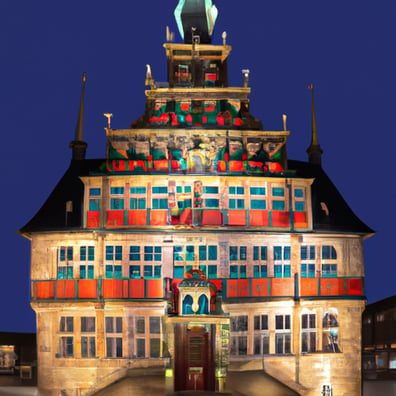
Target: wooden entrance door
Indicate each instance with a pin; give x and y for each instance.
(197, 360)
(194, 366)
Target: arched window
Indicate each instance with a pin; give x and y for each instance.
(187, 305)
(203, 304)
(331, 331)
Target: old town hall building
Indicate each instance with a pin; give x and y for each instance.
(196, 249)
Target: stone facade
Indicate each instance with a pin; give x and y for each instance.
(194, 250)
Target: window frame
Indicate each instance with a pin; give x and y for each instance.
(261, 334)
(308, 333)
(283, 339)
(117, 197)
(258, 201)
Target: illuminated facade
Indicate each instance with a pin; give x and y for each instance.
(196, 247)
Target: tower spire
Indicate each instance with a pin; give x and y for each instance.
(314, 150)
(78, 146)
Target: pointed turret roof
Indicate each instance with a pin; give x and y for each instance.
(78, 145)
(314, 150)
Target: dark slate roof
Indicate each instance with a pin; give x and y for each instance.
(340, 218)
(52, 215)
(386, 304)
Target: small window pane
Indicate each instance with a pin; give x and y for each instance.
(140, 325)
(118, 252)
(202, 253)
(155, 325)
(278, 205)
(212, 252)
(258, 204)
(83, 253)
(160, 190)
(94, 191)
(140, 348)
(277, 253)
(299, 193)
(117, 190)
(210, 190)
(91, 253)
(257, 190)
(212, 203)
(278, 191)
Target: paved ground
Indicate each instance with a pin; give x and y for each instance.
(18, 390)
(370, 388)
(379, 388)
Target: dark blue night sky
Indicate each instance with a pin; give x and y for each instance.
(345, 48)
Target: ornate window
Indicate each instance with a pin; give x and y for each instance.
(203, 304)
(187, 305)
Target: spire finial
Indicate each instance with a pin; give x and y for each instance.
(78, 146)
(314, 151)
